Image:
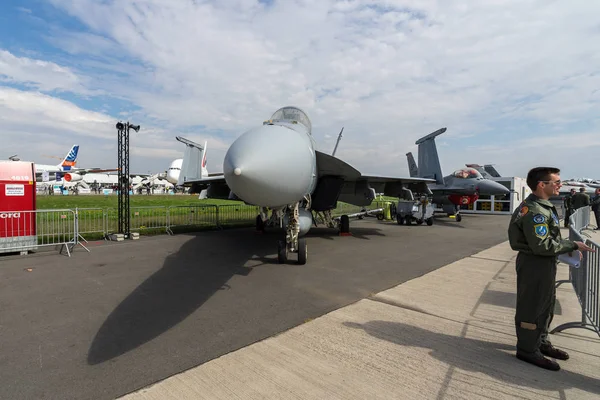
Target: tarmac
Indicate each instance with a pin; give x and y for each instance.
(448, 334)
(389, 312)
(128, 314)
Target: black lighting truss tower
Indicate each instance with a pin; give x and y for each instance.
(123, 177)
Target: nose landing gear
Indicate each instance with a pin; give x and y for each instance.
(292, 242)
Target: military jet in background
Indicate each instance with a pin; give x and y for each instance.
(567, 185)
(275, 166)
(462, 187)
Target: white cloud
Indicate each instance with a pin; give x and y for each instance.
(21, 109)
(39, 74)
(35, 125)
(388, 71)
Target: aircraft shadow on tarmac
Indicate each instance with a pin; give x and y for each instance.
(188, 278)
(471, 350)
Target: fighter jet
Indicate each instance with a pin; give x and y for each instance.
(488, 171)
(275, 166)
(462, 187)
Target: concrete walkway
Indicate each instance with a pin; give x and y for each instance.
(446, 335)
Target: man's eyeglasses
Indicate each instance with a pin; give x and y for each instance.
(558, 182)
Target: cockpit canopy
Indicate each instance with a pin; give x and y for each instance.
(467, 173)
(292, 115)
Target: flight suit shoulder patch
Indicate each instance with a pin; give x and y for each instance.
(541, 230)
(523, 210)
(539, 219)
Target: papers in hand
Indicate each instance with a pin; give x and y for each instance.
(573, 261)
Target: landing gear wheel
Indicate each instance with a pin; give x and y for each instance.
(380, 217)
(429, 221)
(344, 224)
(302, 251)
(281, 252)
(458, 217)
(419, 222)
(260, 225)
(399, 219)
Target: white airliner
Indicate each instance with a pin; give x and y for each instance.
(66, 168)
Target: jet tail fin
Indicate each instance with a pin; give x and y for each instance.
(412, 165)
(429, 161)
(70, 159)
(204, 169)
(492, 171)
(192, 167)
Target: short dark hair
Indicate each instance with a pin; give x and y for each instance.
(582, 190)
(539, 174)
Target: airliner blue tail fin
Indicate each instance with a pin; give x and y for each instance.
(70, 159)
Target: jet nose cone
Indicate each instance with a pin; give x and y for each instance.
(172, 177)
(492, 188)
(270, 166)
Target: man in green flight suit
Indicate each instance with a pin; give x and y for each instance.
(581, 199)
(534, 231)
(596, 207)
(568, 206)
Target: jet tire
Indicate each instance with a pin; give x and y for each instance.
(345, 224)
(282, 252)
(302, 251)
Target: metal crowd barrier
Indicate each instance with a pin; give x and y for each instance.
(200, 216)
(586, 278)
(234, 214)
(23, 231)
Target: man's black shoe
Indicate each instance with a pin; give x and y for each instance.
(551, 351)
(539, 361)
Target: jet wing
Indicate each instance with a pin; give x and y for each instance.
(408, 180)
(83, 171)
(213, 178)
(397, 186)
(453, 190)
(358, 189)
(331, 166)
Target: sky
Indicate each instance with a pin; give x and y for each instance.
(516, 83)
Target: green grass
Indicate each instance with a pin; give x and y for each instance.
(149, 214)
(99, 201)
(46, 202)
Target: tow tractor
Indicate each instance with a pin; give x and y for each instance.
(417, 211)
